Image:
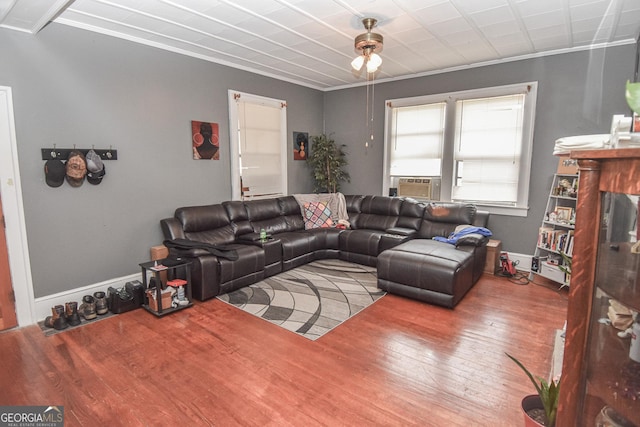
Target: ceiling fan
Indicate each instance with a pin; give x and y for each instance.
(368, 45)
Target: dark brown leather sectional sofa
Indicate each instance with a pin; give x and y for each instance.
(395, 234)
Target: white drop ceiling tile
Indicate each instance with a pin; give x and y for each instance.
(410, 35)
(309, 29)
(399, 24)
(474, 6)
(631, 17)
(228, 14)
(494, 17)
(535, 7)
(547, 32)
(373, 8)
(626, 31)
(500, 30)
(320, 9)
(443, 12)
(463, 38)
(262, 7)
(543, 20)
(475, 52)
(590, 10)
(97, 8)
(511, 49)
(549, 43)
(453, 26)
(411, 6)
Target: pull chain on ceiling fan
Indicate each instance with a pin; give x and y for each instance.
(368, 44)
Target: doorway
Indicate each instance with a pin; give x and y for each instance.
(14, 227)
(257, 127)
(8, 317)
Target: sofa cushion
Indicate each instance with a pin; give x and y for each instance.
(377, 213)
(365, 242)
(202, 218)
(317, 215)
(209, 224)
(266, 214)
(452, 213)
(250, 260)
(290, 210)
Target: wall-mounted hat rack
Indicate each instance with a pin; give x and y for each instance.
(63, 153)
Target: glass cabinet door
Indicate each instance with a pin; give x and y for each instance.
(612, 377)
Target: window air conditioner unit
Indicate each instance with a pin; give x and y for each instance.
(419, 188)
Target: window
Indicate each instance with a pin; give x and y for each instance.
(472, 146)
(258, 146)
(417, 135)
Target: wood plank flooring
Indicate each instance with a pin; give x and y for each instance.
(397, 363)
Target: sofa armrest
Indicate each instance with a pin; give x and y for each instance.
(172, 228)
(481, 218)
(401, 231)
(250, 238)
(473, 239)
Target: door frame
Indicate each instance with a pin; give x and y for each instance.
(233, 96)
(16, 230)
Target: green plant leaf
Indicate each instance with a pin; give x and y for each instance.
(632, 94)
(548, 392)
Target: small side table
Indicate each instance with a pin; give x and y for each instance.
(492, 263)
(155, 269)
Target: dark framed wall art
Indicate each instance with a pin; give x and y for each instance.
(204, 140)
(300, 145)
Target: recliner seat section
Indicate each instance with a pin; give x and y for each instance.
(391, 233)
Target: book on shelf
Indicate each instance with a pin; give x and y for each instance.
(544, 237)
(569, 245)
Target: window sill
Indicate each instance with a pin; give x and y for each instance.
(504, 210)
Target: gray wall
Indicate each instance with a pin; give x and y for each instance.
(568, 104)
(73, 87)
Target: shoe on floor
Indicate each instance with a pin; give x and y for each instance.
(101, 303)
(88, 307)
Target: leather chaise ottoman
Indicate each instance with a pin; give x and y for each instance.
(426, 270)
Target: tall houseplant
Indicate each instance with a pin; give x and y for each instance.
(548, 392)
(327, 161)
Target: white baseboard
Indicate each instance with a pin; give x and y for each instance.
(523, 261)
(43, 304)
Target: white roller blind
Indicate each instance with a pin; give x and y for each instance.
(260, 149)
(417, 138)
(488, 145)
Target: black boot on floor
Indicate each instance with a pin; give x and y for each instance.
(71, 313)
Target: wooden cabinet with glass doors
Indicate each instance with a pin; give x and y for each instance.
(601, 366)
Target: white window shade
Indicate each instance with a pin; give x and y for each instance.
(260, 150)
(488, 145)
(417, 138)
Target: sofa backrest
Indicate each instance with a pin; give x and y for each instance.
(411, 213)
(290, 210)
(377, 213)
(238, 216)
(441, 219)
(266, 214)
(208, 224)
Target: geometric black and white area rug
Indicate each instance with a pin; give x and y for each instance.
(312, 299)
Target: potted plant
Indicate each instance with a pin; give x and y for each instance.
(327, 161)
(540, 409)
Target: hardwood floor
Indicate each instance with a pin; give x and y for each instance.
(399, 362)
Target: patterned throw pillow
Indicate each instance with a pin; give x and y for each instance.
(316, 215)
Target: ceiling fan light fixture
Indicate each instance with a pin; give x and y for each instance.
(357, 63)
(367, 44)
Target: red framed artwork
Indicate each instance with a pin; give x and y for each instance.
(204, 140)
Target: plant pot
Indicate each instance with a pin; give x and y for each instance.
(533, 411)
